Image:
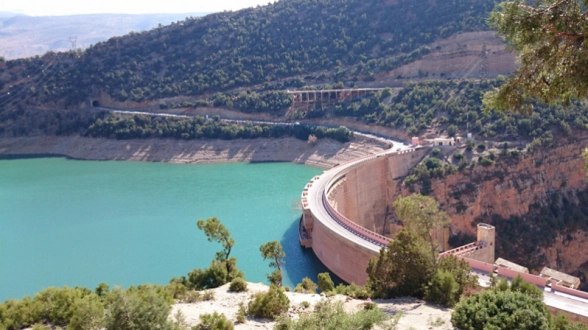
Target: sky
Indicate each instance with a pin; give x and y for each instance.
(76, 7)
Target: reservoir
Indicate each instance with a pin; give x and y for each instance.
(79, 223)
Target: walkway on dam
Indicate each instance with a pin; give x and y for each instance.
(323, 212)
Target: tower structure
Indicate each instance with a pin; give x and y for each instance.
(486, 239)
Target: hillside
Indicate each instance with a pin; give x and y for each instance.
(288, 44)
(435, 59)
(26, 36)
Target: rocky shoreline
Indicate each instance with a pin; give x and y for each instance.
(325, 153)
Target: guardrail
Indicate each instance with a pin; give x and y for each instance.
(354, 228)
(349, 225)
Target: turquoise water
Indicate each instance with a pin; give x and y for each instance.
(66, 222)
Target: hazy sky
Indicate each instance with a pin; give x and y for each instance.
(74, 7)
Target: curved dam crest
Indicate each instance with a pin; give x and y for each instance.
(345, 210)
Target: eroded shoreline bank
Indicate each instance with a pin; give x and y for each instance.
(325, 153)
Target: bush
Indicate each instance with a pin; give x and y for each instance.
(190, 297)
(269, 305)
(325, 282)
(238, 285)
(354, 291)
(137, 309)
(505, 310)
(485, 161)
(214, 322)
(307, 286)
(443, 289)
(329, 315)
(275, 278)
(470, 144)
(241, 314)
(451, 130)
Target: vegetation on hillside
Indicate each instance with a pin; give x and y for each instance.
(112, 125)
(515, 306)
(281, 42)
(409, 265)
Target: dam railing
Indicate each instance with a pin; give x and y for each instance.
(343, 221)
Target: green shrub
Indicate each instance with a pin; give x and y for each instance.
(505, 310)
(238, 285)
(269, 305)
(275, 278)
(354, 291)
(208, 295)
(307, 286)
(136, 309)
(485, 161)
(329, 315)
(443, 289)
(88, 313)
(451, 130)
(325, 282)
(470, 144)
(241, 314)
(190, 297)
(214, 322)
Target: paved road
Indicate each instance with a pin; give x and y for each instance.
(382, 139)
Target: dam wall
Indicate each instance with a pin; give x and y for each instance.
(364, 193)
(344, 211)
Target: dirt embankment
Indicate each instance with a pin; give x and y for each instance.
(416, 314)
(324, 153)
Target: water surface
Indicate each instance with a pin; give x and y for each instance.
(66, 222)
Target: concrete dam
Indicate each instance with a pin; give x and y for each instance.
(345, 210)
(347, 218)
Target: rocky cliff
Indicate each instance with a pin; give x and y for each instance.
(537, 202)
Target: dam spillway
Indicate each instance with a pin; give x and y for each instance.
(345, 210)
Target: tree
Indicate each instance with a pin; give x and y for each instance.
(551, 39)
(223, 269)
(421, 215)
(401, 269)
(273, 251)
(215, 231)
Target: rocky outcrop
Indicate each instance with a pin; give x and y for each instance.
(516, 192)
